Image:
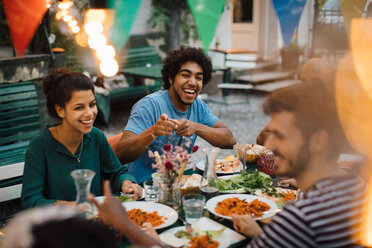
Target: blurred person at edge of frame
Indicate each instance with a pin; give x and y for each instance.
(55, 227)
(306, 138)
(69, 144)
(314, 69)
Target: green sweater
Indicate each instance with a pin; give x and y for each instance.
(48, 164)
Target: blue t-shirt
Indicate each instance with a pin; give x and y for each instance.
(147, 111)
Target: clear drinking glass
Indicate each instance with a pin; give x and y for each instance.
(193, 206)
(151, 191)
(240, 154)
(83, 180)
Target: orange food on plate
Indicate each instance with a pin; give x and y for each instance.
(289, 196)
(238, 206)
(139, 217)
(203, 242)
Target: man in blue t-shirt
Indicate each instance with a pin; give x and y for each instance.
(171, 115)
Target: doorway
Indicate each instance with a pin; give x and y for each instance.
(245, 24)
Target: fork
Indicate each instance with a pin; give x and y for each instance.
(187, 225)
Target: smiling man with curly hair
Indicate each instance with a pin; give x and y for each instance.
(170, 115)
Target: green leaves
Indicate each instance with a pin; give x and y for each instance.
(247, 183)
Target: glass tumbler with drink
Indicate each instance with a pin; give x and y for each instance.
(151, 191)
(193, 206)
(240, 154)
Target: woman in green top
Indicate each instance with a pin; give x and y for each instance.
(73, 143)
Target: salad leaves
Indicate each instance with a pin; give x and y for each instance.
(248, 183)
(124, 198)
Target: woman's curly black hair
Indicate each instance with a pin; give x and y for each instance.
(174, 61)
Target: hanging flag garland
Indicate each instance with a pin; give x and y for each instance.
(289, 14)
(125, 13)
(206, 14)
(23, 19)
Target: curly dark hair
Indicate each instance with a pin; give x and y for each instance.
(174, 61)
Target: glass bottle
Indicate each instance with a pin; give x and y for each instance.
(83, 180)
(209, 183)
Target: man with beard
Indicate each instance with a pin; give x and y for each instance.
(304, 135)
(171, 115)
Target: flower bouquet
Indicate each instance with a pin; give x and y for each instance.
(171, 165)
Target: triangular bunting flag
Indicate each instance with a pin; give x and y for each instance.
(23, 19)
(351, 9)
(206, 14)
(289, 14)
(125, 13)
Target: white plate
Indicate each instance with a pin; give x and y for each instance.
(100, 200)
(163, 210)
(227, 238)
(200, 166)
(212, 203)
(233, 191)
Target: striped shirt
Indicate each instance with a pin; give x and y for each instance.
(327, 216)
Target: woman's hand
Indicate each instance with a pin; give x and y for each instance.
(246, 224)
(128, 187)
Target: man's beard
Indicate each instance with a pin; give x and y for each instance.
(299, 164)
(179, 97)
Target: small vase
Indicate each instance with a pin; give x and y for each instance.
(170, 194)
(83, 180)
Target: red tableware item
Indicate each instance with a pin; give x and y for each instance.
(266, 164)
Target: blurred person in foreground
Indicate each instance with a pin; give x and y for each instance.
(170, 115)
(305, 136)
(56, 227)
(69, 144)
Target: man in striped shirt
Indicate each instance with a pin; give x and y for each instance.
(306, 137)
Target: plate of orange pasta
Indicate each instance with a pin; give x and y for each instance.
(159, 215)
(241, 204)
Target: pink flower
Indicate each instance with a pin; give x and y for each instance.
(167, 147)
(195, 149)
(168, 165)
(151, 154)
